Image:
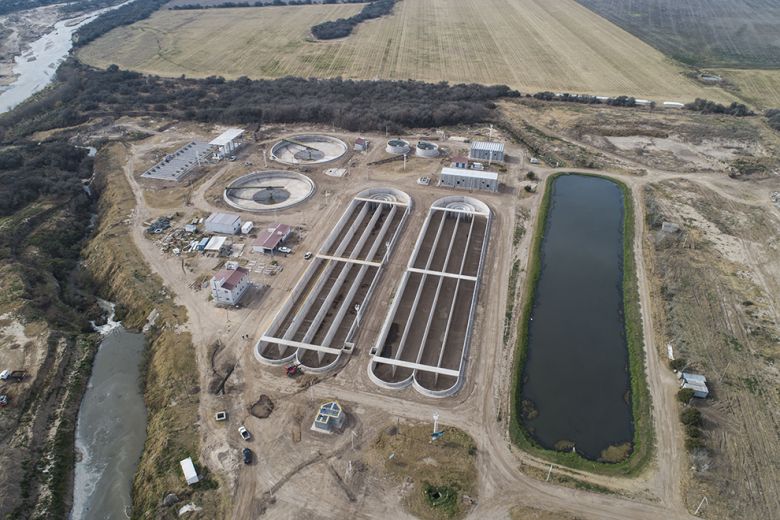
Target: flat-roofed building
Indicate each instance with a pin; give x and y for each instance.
(469, 179)
(486, 151)
(225, 223)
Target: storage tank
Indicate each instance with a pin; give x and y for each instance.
(426, 149)
(397, 147)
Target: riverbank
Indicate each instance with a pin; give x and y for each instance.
(640, 399)
(17, 31)
(169, 371)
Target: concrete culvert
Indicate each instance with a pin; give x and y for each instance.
(262, 408)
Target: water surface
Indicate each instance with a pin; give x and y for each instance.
(575, 377)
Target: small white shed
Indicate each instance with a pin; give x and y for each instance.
(188, 468)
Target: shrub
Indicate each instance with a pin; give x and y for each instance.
(678, 364)
(685, 395)
(691, 417)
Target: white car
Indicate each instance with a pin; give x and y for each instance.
(284, 249)
(244, 433)
(308, 255)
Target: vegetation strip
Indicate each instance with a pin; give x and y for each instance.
(640, 395)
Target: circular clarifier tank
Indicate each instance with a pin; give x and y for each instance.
(426, 149)
(268, 190)
(308, 149)
(397, 147)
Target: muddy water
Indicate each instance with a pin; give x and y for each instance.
(37, 66)
(111, 428)
(576, 372)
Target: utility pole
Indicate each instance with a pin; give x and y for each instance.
(703, 501)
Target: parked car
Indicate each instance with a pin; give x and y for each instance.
(308, 255)
(284, 249)
(244, 433)
(247, 456)
(3, 400)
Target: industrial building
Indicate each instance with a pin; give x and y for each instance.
(361, 144)
(229, 285)
(176, 165)
(317, 324)
(486, 151)
(460, 161)
(424, 341)
(226, 142)
(270, 238)
(225, 223)
(469, 179)
(330, 418)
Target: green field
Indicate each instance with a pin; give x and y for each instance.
(531, 45)
(704, 33)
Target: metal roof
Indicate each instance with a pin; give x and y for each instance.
(270, 237)
(223, 218)
(227, 136)
(488, 146)
(215, 244)
(473, 174)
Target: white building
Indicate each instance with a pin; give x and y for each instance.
(695, 382)
(469, 179)
(361, 144)
(225, 223)
(486, 151)
(227, 141)
(228, 286)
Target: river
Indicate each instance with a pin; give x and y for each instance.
(111, 427)
(576, 383)
(37, 66)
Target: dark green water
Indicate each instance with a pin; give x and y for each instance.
(576, 376)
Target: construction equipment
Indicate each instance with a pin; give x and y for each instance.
(294, 370)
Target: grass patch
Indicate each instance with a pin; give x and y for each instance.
(637, 455)
(441, 472)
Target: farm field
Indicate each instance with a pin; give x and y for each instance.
(758, 87)
(530, 45)
(705, 33)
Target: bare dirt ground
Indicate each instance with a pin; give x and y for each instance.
(290, 458)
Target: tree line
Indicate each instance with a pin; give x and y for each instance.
(262, 3)
(705, 106)
(125, 15)
(343, 26)
(81, 93)
(773, 118)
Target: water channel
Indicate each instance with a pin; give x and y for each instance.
(111, 427)
(576, 384)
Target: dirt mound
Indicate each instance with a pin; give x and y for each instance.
(262, 408)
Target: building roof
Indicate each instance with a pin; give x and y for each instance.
(460, 159)
(230, 278)
(487, 146)
(328, 411)
(472, 174)
(270, 237)
(215, 244)
(687, 376)
(227, 219)
(226, 136)
(188, 468)
(360, 140)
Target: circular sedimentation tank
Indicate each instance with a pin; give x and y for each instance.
(270, 190)
(308, 149)
(426, 149)
(397, 147)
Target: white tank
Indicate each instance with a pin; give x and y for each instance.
(397, 147)
(426, 149)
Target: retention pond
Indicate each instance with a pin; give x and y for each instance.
(575, 387)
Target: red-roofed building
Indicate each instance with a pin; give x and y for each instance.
(460, 161)
(229, 285)
(361, 144)
(270, 238)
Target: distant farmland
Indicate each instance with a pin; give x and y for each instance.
(531, 45)
(705, 33)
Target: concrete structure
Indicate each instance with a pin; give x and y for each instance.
(397, 147)
(361, 144)
(176, 165)
(695, 382)
(486, 151)
(270, 238)
(460, 161)
(469, 179)
(188, 468)
(270, 190)
(673, 104)
(226, 142)
(330, 418)
(228, 286)
(225, 223)
(424, 341)
(318, 322)
(308, 149)
(426, 150)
